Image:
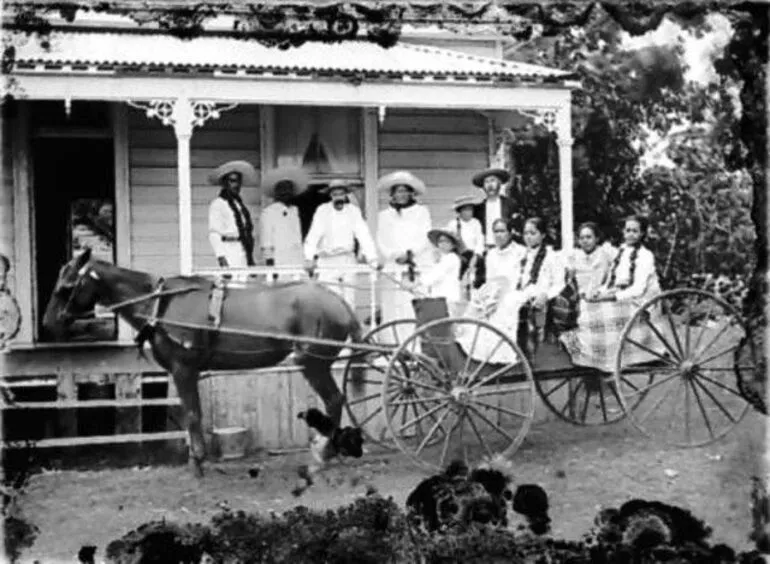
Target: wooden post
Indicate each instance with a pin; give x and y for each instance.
(183, 129)
(67, 389)
(128, 419)
(564, 140)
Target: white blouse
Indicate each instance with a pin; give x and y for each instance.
(400, 231)
(334, 231)
(645, 278)
(443, 278)
(551, 279)
(469, 231)
(591, 269)
(506, 262)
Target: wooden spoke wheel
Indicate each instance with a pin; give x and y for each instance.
(696, 345)
(472, 393)
(586, 397)
(365, 409)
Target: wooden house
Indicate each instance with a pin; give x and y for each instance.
(113, 130)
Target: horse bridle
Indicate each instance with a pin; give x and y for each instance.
(84, 271)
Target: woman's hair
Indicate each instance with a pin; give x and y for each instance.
(593, 226)
(643, 223)
(507, 223)
(539, 224)
(395, 186)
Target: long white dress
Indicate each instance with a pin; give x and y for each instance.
(519, 290)
(399, 231)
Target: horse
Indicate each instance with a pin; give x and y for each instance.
(320, 320)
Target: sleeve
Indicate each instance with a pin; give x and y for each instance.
(361, 232)
(314, 234)
(422, 245)
(645, 269)
(479, 238)
(438, 271)
(268, 236)
(552, 278)
(384, 233)
(216, 228)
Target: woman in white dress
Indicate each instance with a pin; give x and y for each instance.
(538, 277)
(402, 238)
(442, 280)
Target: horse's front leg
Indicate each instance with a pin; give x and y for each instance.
(186, 380)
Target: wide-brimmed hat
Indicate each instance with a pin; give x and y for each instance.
(298, 177)
(467, 200)
(434, 234)
(337, 183)
(401, 177)
(501, 173)
(247, 172)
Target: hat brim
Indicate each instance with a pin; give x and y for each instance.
(434, 234)
(247, 172)
(327, 189)
(402, 178)
(502, 174)
(298, 177)
(475, 201)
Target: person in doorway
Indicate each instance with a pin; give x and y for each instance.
(402, 238)
(331, 242)
(231, 231)
(281, 239)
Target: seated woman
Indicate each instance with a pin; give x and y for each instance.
(502, 268)
(603, 313)
(591, 262)
(537, 278)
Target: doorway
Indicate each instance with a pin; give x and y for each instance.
(74, 207)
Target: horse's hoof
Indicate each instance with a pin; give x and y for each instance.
(197, 468)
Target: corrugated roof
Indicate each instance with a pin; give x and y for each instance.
(131, 51)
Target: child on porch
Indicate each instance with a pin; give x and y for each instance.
(443, 278)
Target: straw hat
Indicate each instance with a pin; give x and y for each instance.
(387, 182)
(298, 177)
(247, 172)
(479, 177)
(434, 234)
(467, 200)
(337, 183)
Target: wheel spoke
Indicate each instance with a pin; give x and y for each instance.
(417, 399)
(652, 352)
(671, 325)
(496, 374)
(447, 440)
(702, 409)
(721, 385)
(686, 410)
(705, 326)
(751, 367)
(721, 353)
(713, 398)
(433, 430)
(571, 398)
(478, 435)
(585, 403)
(476, 372)
(557, 387)
(500, 408)
(674, 406)
(656, 384)
(473, 347)
(714, 339)
(660, 400)
(601, 401)
(614, 391)
(425, 414)
(492, 424)
(419, 384)
(365, 398)
(661, 338)
(379, 408)
(687, 328)
(440, 357)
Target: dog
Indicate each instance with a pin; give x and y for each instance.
(330, 441)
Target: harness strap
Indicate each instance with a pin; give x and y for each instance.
(216, 301)
(153, 321)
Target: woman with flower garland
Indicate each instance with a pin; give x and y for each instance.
(538, 277)
(603, 314)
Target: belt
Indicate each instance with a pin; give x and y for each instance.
(230, 238)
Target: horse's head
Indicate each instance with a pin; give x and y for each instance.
(75, 294)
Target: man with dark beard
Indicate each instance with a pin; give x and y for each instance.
(231, 231)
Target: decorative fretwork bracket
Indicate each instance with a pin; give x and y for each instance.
(181, 113)
(545, 117)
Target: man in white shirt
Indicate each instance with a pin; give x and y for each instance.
(281, 228)
(330, 244)
(231, 231)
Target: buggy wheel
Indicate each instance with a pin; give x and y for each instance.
(365, 409)
(463, 406)
(585, 397)
(696, 345)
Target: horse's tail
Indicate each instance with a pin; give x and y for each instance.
(358, 371)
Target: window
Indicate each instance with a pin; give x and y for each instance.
(326, 141)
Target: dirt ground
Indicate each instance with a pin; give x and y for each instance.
(582, 469)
